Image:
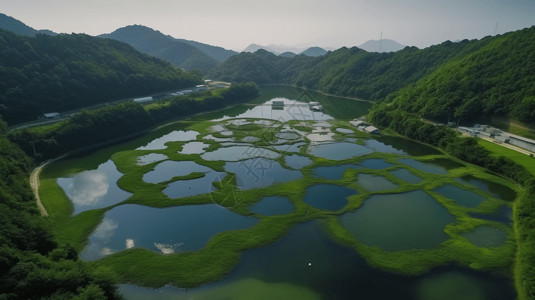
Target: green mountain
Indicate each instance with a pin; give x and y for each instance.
(496, 79)
(56, 73)
(215, 52)
(189, 55)
(16, 26)
(491, 76)
(314, 51)
(346, 71)
(32, 264)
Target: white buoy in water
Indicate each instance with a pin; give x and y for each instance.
(310, 264)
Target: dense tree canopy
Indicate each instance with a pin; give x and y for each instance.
(56, 73)
(497, 79)
(32, 265)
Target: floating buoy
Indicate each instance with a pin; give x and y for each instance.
(310, 264)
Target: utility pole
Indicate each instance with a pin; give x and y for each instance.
(496, 28)
(380, 41)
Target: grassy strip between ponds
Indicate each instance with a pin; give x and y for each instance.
(223, 251)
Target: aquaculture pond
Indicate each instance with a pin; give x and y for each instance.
(272, 206)
(307, 264)
(412, 220)
(338, 151)
(258, 201)
(94, 189)
(170, 230)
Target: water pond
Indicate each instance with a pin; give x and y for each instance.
(376, 164)
(503, 215)
(292, 110)
(306, 264)
(394, 222)
(297, 161)
(170, 230)
(375, 183)
(168, 169)
(236, 153)
(250, 139)
(175, 136)
(461, 196)
(406, 175)
(288, 135)
(428, 167)
(150, 158)
(94, 188)
(328, 196)
(498, 190)
(289, 147)
(377, 146)
(405, 146)
(332, 172)
(271, 206)
(260, 172)
(338, 151)
(193, 187)
(486, 236)
(193, 148)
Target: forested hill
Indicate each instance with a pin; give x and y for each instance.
(16, 26)
(497, 79)
(56, 73)
(346, 71)
(494, 75)
(157, 44)
(32, 264)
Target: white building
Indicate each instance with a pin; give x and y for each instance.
(372, 129)
(143, 99)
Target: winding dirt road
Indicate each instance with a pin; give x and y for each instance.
(34, 183)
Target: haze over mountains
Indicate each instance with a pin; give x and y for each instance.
(286, 51)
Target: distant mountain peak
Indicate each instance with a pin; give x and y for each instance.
(384, 45)
(18, 27)
(286, 50)
(314, 52)
(255, 47)
(183, 53)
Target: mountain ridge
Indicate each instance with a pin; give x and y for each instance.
(492, 76)
(18, 27)
(57, 73)
(155, 43)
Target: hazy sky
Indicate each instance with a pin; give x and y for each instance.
(234, 24)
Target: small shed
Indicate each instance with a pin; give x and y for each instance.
(357, 123)
(372, 129)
